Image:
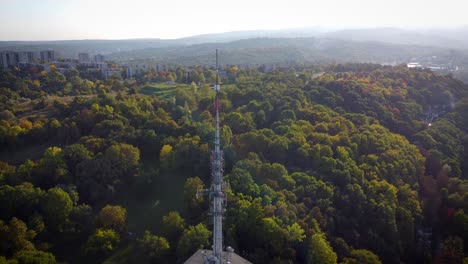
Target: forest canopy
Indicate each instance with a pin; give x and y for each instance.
(359, 164)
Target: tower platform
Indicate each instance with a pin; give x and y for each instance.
(231, 258)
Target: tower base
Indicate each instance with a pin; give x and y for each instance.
(201, 256)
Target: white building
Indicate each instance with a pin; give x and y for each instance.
(414, 65)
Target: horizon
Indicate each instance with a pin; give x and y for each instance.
(53, 20)
(320, 30)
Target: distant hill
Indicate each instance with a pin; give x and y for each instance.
(71, 48)
(248, 34)
(283, 50)
(249, 51)
(308, 45)
(437, 38)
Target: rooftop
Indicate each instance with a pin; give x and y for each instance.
(198, 258)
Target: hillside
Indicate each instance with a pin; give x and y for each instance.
(455, 39)
(282, 51)
(377, 45)
(363, 162)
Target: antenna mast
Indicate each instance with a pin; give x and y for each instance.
(216, 191)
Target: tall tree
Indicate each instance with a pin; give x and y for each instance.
(320, 251)
(57, 206)
(113, 217)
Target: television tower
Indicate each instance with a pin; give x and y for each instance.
(218, 204)
(217, 190)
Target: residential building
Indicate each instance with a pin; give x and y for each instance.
(26, 57)
(48, 55)
(83, 57)
(99, 58)
(8, 59)
(110, 72)
(132, 71)
(102, 66)
(3, 61)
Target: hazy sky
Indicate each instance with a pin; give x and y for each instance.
(119, 19)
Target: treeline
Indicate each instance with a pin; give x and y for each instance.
(364, 164)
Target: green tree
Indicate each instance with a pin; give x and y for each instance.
(56, 206)
(82, 218)
(51, 169)
(25, 170)
(122, 162)
(74, 154)
(241, 181)
(34, 257)
(5, 171)
(113, 217)
(238, 122)
(173, 225)
(461, 223)
(193, 238)
(3, 260)
(166, 156)
(21, 201)
(15, 237)
(362, 256)
(288, 114)
(191, 186)
(226, 136)
(274, 236)
(245, 215)
(320, 251)
(154, 246)
(295, 233)
(103, 241)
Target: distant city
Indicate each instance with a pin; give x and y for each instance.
(435, 67)
(43, 60)
(99, 65)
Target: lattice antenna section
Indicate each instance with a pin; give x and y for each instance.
(216, 192)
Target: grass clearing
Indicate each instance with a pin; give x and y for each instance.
(164, 90)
